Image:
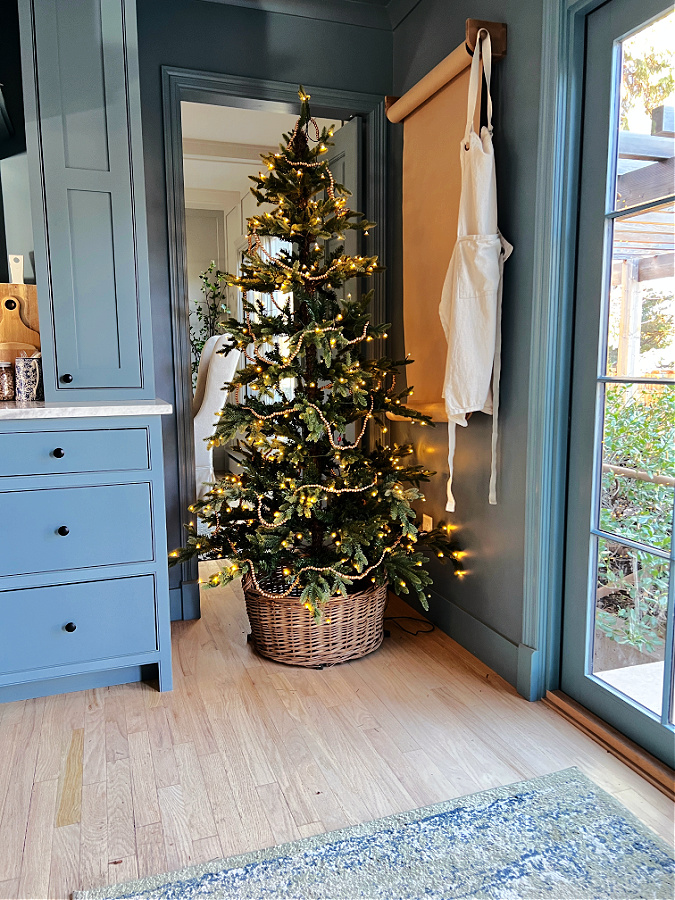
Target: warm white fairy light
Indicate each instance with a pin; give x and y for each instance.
(304, 569)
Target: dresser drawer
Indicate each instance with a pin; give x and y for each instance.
(68, 452)
(75, 623)
(73, 528)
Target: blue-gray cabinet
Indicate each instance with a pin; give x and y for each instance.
(84, 594)
(83, 135)
(83, 575)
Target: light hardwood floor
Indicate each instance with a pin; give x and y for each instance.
(107, 785)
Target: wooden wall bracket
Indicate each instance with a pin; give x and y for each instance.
(496, 30)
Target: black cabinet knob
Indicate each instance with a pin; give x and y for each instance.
(63, 530)
(70, 627)
(58, 452)
(67, 379)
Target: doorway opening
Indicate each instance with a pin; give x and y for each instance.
(216, 126)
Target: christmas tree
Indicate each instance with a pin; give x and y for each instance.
(308, 502)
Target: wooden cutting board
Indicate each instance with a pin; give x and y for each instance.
(19, 323)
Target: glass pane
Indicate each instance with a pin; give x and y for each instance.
(638, 463)
(646, 144)
(641, 326)
(631, 604)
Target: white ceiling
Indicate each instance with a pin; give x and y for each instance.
(221, 147)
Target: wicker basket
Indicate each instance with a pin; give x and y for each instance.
(282, 629)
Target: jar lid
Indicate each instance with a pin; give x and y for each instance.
(4, 363)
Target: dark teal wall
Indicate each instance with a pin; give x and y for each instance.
(494, 536)
(214, 37)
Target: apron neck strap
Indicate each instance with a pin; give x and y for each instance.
(484, 49)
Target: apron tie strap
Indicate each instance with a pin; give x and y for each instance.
(484, 49)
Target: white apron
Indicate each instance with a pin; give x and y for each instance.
(471, 300)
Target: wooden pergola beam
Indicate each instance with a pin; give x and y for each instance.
(645, 146)
(662, 265)
(646, 183)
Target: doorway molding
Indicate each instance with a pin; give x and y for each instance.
(556, 213)
(265, 95)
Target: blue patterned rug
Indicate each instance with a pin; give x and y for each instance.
(559, 836)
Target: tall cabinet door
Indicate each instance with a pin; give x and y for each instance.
(83, 121)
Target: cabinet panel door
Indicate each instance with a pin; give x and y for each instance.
(87, 105)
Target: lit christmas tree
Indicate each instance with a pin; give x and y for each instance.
(309, 506)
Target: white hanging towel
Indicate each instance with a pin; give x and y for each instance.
(471, 300)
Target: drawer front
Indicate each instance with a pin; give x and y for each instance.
(68, 452)
(110, 618)
(73, 528)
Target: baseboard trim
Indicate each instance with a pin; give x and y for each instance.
(184, 601)
(176, 604)
(651, 769)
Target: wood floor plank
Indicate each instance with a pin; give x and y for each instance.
(423, 780)
(17, 801)
(116, 744)
(94, 836)
(161, 747)
(277, 812)
(200, 815)
(64, 872)
(70, 783)
(9, 890)
(120, 810)
(151, 850)
(187, 717)
(256, 832)
(387, 717)
(94, 755)
(53, 739)
(144, 788)
(362, 793)
(11, 719)
(311, 829)
(206, 849)
(122, 869)
(134, 709)
(225, 811)
(36, 861)
(176, 827)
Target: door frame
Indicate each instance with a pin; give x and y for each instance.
(252, 93)
(556, 214)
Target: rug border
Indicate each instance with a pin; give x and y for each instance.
(571, 775)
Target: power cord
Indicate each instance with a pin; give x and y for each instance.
(398, 619)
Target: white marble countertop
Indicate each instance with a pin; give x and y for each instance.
(39, 409)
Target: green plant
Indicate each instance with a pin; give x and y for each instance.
(639, 439)
(206, 314)
(646, 77)
(308, 502)
(634, 626)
